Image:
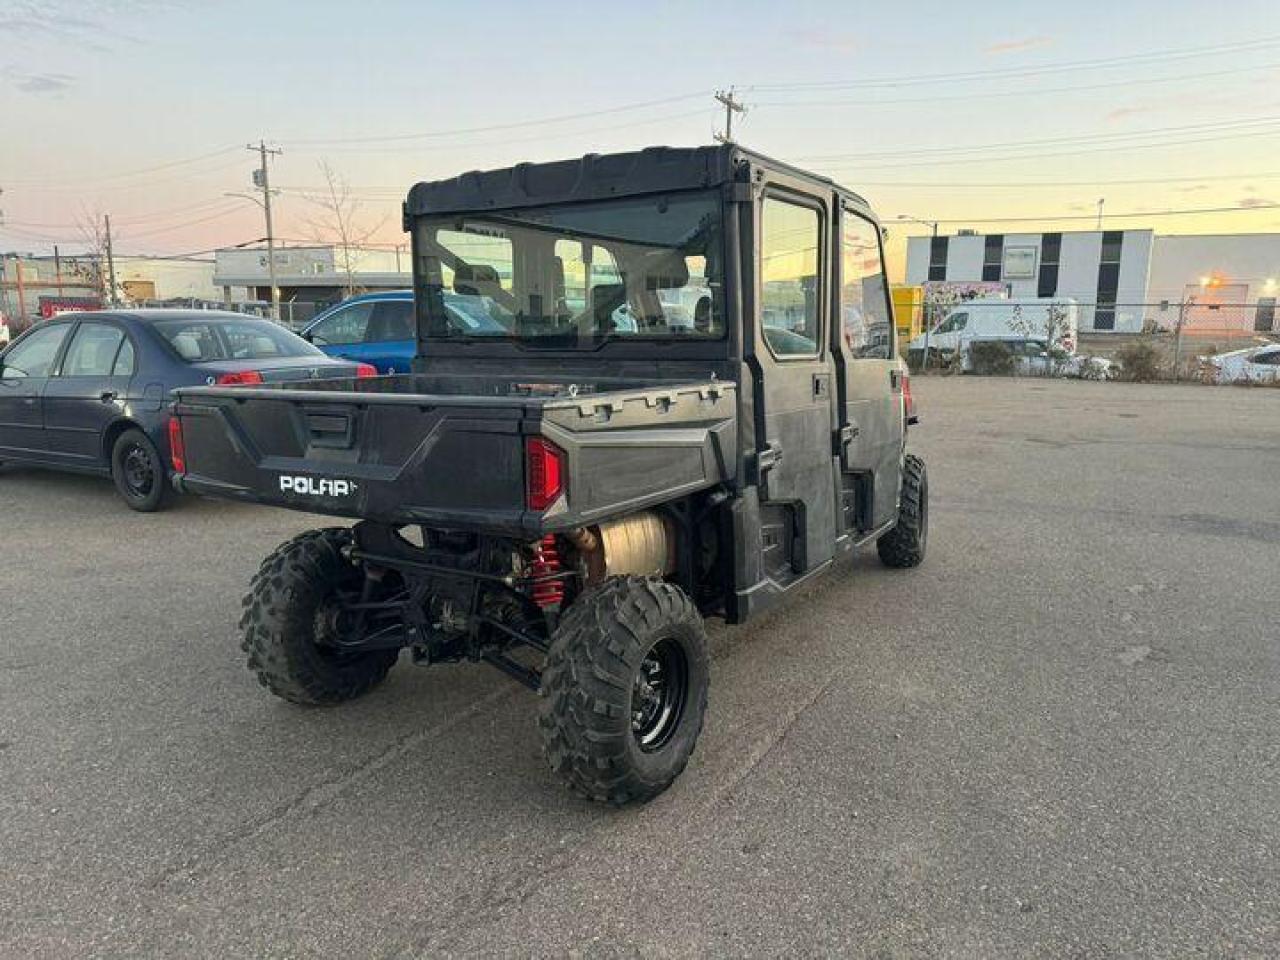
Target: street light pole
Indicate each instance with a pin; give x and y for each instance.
(927, 223)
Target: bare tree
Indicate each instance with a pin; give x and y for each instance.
(342, 222)
(90, 267)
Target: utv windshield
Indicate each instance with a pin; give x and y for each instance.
(575, 275)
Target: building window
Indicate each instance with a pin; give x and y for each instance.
(992, 254)
(938, 258)
(1050, 257)
(1104, 314)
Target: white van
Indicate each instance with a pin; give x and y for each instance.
(1003, 320)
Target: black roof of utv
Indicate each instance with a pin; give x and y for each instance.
(598, 177)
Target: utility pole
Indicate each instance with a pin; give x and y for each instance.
(731, 106)
(1101, 201)
(262, 180)
(57, 268)
(22, 293)
(1177, 338)
(111, 263)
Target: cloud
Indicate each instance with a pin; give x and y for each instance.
(1022, 43)
(1250, 203)
(43, 83)
(826, 39)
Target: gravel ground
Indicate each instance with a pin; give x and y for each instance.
(1057, 738)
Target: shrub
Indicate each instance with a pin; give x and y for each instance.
(1140, 361)
(992, 359)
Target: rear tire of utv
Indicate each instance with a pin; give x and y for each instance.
(283, 612)
(624, 690)
(904, 545)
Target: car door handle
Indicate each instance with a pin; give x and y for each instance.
(108, 396)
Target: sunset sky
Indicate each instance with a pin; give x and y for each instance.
(965, 113)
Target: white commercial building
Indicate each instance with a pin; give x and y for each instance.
(309, 277)
(1124, 280)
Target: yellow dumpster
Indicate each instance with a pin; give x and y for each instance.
(908, 312)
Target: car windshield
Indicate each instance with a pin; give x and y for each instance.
(198, 340)
(575, 275)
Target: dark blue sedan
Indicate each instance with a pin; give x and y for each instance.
(89, 392)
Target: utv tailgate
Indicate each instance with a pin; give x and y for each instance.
(411, 449)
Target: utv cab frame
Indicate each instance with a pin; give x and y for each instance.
(650, 388)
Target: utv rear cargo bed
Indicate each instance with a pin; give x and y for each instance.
(452, 451)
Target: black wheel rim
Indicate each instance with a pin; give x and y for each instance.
(658, 695)
(137, 470)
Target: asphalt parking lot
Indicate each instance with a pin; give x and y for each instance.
(1060, 737)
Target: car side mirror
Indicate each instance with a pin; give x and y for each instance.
(306, 335)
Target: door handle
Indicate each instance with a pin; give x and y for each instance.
(769, 457)
(108, 396)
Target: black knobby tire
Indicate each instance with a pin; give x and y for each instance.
(283, 612)
(604, 727)
(904, 545)
(139, 472)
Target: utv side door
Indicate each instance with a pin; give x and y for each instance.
(793, 402)
(871, 412)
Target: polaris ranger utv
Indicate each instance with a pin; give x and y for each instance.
(650, 388)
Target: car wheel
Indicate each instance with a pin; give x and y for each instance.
(139, 472)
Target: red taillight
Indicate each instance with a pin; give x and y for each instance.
(544, 473)
(237, 379)
(366, 370)
(908, 402)
(177, 446)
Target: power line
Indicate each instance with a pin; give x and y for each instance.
(474, 144)
(1215, 126)
(139, 218)
(896, 165)
(136, 172)
(1154, 56)
(464, 131)
(1029, 92)
(1006, 184)
(1111, 216)
(140, 185)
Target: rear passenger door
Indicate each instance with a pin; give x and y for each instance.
(794, 406)
(89, 390)
(871, 389)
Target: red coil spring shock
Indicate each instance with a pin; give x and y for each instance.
(546, 561)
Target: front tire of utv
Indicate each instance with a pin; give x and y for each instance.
(904, 545)
(283, 612)
(624, 690)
